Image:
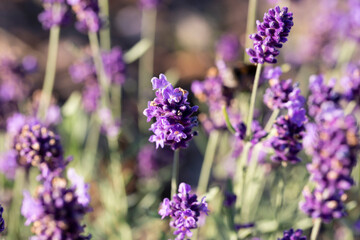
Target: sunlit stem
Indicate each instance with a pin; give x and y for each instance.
(316, 229)
(14, 215)
(105, 37)
(252, 100)
(146, 62)
(50, 71)
(250, 22)
(208, 162)
(175, 173)
(271, 120)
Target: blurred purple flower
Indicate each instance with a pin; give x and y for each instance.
(2, 221)
(87, 15)
(173, 114)
(228, 47)
(184, 209)
(271, 35)
(230, 199)
(81, 188)
(149, 4)
(293, 235)
(114, 65)
(151, 160)
(56, 13)
(56, 211)
(351, 83)
(8, 164)
(109, 125)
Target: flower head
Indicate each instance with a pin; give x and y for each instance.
(56, 211)
(87, 15)
(184, 209)
(56, 13)
(173, 114)
(293, 235)
(271, 35)
(228, 47)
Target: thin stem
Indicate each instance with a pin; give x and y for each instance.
(14, 220)
(146, 62)
(50, 71)
(208, 161)
(271, 120)
(250, 22)
(227, 121)
(99, 67)
(316, 229)
(350, 107)
(252, 101)
(175, 173)
(105, 37)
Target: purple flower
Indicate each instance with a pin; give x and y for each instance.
(271, 35)
(151, 160)
(287, 140)
(56, 13)
(271, 73)
(230, 199)
(38, 146)
(87, 15)
(184, 209)
(8, 164)
(2, 221)
(228, 47)
(239, 226)
(293, 235)
(114, 65)
(91, 96)
(109, 125)
(333, 142)
(149, 4)
(81, 188)
(173, 114)
(321, 93)
(351, 83)
(56, 211)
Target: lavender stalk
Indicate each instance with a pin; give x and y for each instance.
(175, 172)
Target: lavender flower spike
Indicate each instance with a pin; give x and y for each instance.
(271, 35)
(2, 222)
(184, 209)
(173, 114)
(293, 235)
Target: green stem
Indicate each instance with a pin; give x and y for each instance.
(316, 229)
(350, 107)
(146, 62)
(105, 37)
(14, 215)
(49, 72)
(99, 67)
(208, 161)
(250, 23)
(227, 121)
(175, 173)
(271, 120)
(91, 146)
(252, 101)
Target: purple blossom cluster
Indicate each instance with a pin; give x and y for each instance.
(271, 35)
(56, 13)
(87, 15)
(293, 235)
(185, 210)
(149, 4)
(36, 145)
(13, 84)
(333, 142)
(173, 114)
(351, 83)
(228, 47)
(151, 160)
(2, 221)
(215, 94)
(57, 209)
(321, 93)
(84, 72)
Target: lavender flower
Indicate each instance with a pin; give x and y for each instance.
(351, 83)
(228, 47)
(8, 164)
(230, 199)
(287, 140)
(272, 33)
(38, 146)
(334, 149)
(56, 13)
(293, 235)
(114, 65)
(184, 209)
(174, 116)
(282, 94)
(271, 72)
(149, 4)
(151, 160)
(56, 211)
(87, 15)
(321, 93)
